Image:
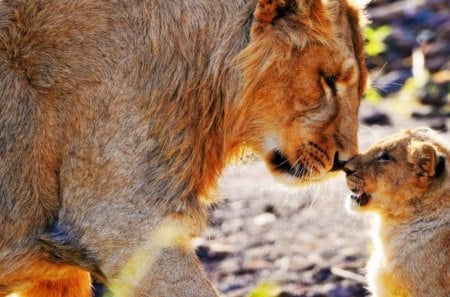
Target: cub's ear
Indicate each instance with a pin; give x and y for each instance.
(425, 161)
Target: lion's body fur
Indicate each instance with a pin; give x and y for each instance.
(118, 115)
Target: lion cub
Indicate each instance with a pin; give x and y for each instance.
(404, 180)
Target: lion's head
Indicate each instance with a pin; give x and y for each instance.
(400, 175)
(304, 75)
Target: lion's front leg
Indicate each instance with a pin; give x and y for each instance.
(175, 273)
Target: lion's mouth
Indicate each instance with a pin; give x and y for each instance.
(281, 163)
(360, 198)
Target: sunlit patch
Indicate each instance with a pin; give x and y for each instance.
(169, 234)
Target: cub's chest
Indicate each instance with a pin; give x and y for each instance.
(392, 285)
(387, 278)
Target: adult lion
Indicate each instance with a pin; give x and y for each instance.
(117, 118)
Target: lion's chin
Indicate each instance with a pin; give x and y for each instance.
(292, 181)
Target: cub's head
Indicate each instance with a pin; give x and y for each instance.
(303, 77)
(401, 175)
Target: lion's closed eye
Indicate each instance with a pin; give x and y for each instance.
(330, 81)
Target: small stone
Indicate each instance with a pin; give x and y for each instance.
(269, 208)
(98, 289)
(264, 219)
(286, 294)
(322, 274)
(356, 290)
(377, 118)
(206, 254)
(440, 126)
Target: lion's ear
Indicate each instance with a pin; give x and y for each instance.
(425, 161)
(267, 11)
(300, 21)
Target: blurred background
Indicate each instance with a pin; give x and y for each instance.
(267, 240)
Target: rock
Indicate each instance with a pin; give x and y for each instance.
(436, 63)
(322, 274)
(206, 255)
(270, 208)
(433, 95)
(401, 40)
(377, 118)
(98, 289)
(287, 294)
(440, 126)
(438, 20)
(211, 251)
(356, 290)
(264, 219)
(316, 295)
(437, 48)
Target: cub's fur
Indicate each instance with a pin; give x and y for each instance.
(405, 181)
(117, 117)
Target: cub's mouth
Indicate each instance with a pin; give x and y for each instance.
(360, 198)
(280, 163)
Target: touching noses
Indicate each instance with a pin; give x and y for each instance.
(337, 163)
(340, 161)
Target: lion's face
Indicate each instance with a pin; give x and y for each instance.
(313, 119)
(393, 176)
(302, 92)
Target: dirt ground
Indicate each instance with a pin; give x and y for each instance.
(301, 239)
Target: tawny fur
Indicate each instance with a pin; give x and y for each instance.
(407, 176)
(117, 117)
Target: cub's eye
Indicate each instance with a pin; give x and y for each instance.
(385, 157)
(330, 80)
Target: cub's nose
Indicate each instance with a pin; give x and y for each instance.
(349, 168)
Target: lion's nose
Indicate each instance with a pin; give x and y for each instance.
(337, 164)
